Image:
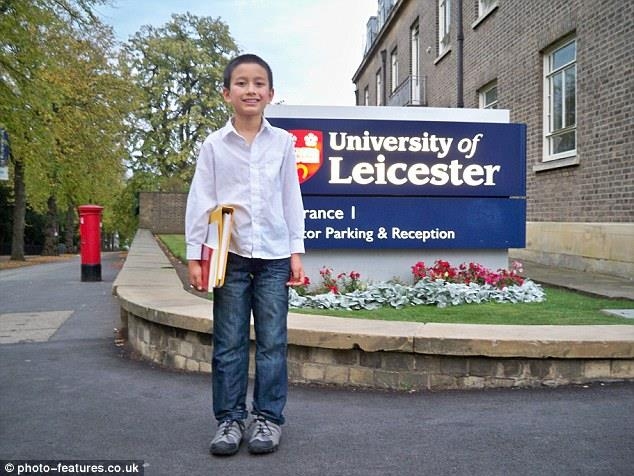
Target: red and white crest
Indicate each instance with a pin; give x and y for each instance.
(309, 152)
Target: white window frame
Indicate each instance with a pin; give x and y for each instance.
(482, 95)
(379, 89)
(485, 7)
(550, 75)
(393, 70)
(366, 96)
(444, 26)
(414, 49)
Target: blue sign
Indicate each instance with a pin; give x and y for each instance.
(4, 155)
(397, 184)
(4, 147)
(413, 222)
(413, 158)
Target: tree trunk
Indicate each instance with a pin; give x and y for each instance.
(69, 232)
(50, 233)
(19, 212)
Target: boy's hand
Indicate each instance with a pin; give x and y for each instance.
(297, 271)
(195, 275)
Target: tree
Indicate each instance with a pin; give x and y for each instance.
(90, 102)
(22, 100)
(60, 100)
(178, 68)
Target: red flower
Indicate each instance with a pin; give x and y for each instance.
(473, 272)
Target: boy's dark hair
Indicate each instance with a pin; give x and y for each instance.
(242, 59)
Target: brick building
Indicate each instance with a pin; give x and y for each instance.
(562, 67)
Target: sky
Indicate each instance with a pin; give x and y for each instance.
(314, 47)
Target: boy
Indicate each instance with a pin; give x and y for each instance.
(249, 165)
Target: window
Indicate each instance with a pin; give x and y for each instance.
(366, 96)
(444, 22)
(372, 30)
(414, 42)
(489, 96)
(379, 88)
(393, 70)
(384, 10)
(485, 7)
(560, 101)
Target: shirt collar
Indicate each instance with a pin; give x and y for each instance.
(229, 128)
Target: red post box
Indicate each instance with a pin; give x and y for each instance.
(90, 241)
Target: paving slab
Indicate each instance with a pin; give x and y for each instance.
(624, 313)
(30, 326)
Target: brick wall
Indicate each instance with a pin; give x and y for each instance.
(162, 212)
(507, 46)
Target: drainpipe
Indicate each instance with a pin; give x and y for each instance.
(459, 58)
(384, 73)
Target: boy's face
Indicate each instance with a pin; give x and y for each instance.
(249, 90)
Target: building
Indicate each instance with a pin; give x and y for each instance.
(562, 67)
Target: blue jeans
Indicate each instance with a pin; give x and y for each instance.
(258, 286)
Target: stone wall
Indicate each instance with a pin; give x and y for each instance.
(190, 350)
(168, 325)
(606, 248)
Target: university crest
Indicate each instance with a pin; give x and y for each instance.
(309, 151)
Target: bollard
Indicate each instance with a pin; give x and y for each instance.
(90, 241)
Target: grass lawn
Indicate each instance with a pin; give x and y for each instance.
(176, 245)
(562, 307)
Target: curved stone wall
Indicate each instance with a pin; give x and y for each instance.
(172, 327)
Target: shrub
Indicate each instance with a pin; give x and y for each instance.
(441, 285)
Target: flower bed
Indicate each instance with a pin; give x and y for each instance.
(441, 285)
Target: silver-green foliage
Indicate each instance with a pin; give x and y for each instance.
(424, 292)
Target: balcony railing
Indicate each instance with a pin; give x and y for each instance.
(411, 92)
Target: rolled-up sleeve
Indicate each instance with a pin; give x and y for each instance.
(200, 200)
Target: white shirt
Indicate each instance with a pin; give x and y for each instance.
(259, 181)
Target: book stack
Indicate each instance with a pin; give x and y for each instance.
(213, 260)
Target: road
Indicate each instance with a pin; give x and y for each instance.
(71, 393)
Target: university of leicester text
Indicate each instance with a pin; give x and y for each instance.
(383, 172)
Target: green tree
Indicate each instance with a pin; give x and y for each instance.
(22, 99)
(178, 67)
(61, 99)
(90, 102)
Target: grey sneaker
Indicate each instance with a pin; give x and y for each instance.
(265, 436)
(228, 438)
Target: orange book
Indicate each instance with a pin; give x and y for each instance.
(213, 259)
